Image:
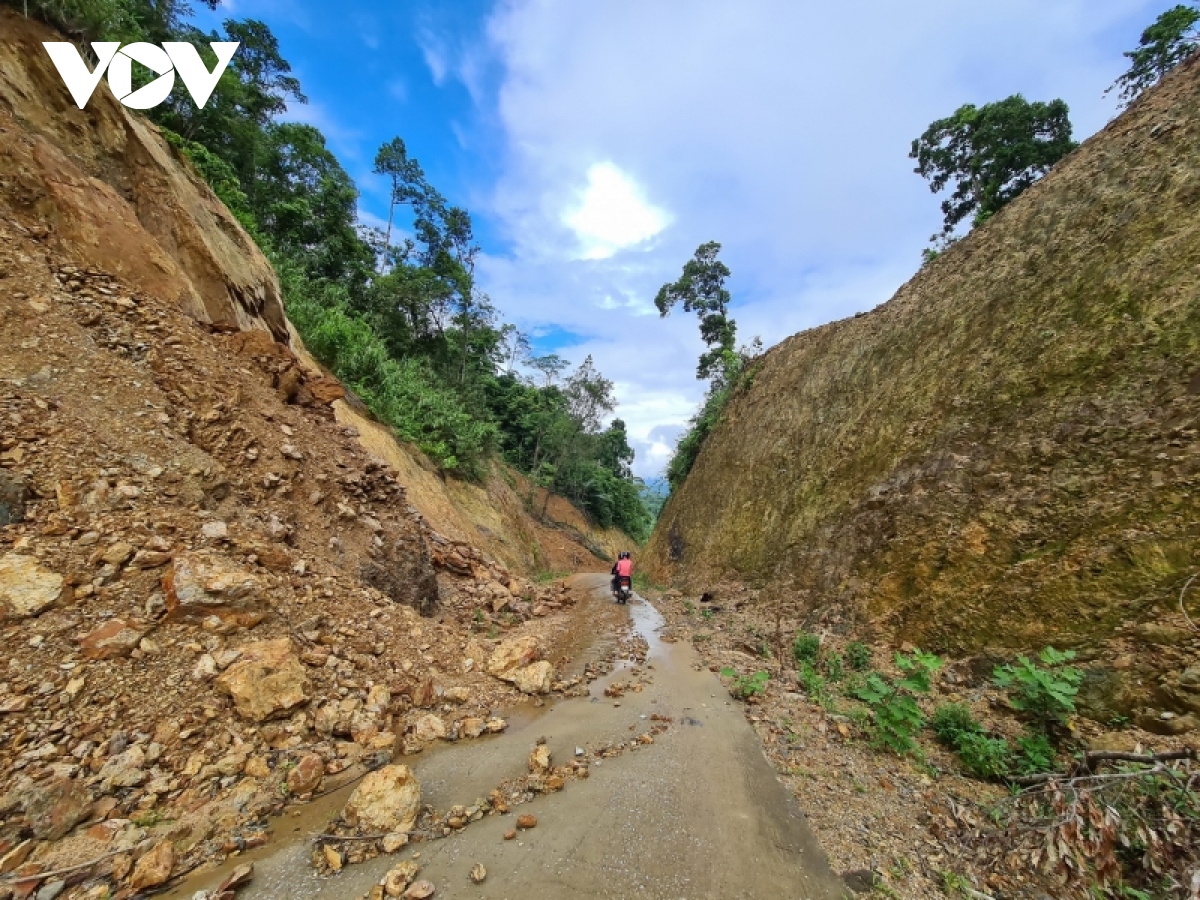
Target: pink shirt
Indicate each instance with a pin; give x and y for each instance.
(624, 567)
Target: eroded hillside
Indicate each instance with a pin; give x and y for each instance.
(213, 572)
(1005, 455)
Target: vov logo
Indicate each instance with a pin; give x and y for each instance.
(165, 61)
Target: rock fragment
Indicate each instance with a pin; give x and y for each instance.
(154, 868)
(268, 680)
(387, 800)
(26, 588)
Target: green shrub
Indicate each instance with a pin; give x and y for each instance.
(1034, 754)
(834, 665)
(1046, 692)
(746, 686)
(897, 716)
(858, 655)
(951, 721)
(810, 679)
(806, 647)
(983, 755)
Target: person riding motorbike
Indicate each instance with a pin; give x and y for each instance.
(622, 568)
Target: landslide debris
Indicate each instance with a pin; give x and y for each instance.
(215, 598)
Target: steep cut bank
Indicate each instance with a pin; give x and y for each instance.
(208, 583)
(1006, 454)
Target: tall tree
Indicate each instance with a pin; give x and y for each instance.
(701, 289)
(407, 180)
(1172, 38)
(990, 154)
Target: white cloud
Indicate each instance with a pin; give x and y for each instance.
(780, 129)
(612, 214)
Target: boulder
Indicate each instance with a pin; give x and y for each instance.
(54, 806)
(202, 584)
(14, 494)
(116, 637)
(26, 589)
(534, 679)
(154, 868)
(268, 681)
(420, 890)
(306, 776)
(430, 728)
(388, 800)
(511, 655)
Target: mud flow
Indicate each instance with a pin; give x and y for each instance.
(695, 811)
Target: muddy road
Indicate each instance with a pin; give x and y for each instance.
(697, 814)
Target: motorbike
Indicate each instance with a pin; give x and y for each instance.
(624, 589)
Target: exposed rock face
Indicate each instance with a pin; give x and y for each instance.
(1006, 454)
(26, 588)
(112, 193)
(406, 574)
(387, 800)
(267, 681)
(52, 807)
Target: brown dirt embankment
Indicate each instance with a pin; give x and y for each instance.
(1007, 453)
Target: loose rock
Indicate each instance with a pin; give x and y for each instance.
(387, 800)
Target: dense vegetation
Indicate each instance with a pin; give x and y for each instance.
(405, 326)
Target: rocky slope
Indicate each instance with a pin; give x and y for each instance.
(1005, 455)
(212, 574)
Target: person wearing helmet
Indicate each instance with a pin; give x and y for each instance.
(622, 568)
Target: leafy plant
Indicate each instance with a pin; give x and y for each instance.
(1034, 754)
(984, 755)
(1046, 692)
(806, 647)
(745, 687)
(706, 613)
(897, 716)
(858, 655)
(834, 665)
(689, 607)
(950, 721)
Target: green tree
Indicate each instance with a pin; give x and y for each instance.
(990, 154)
(1172, 38)
(701, 289)
(407, 179)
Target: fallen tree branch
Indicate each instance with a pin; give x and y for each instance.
(319, 838)
(1103, 756)
(41, 876)
(1155, 760)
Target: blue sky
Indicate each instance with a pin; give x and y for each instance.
(597, 144)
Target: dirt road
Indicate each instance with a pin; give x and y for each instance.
(697, 814)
